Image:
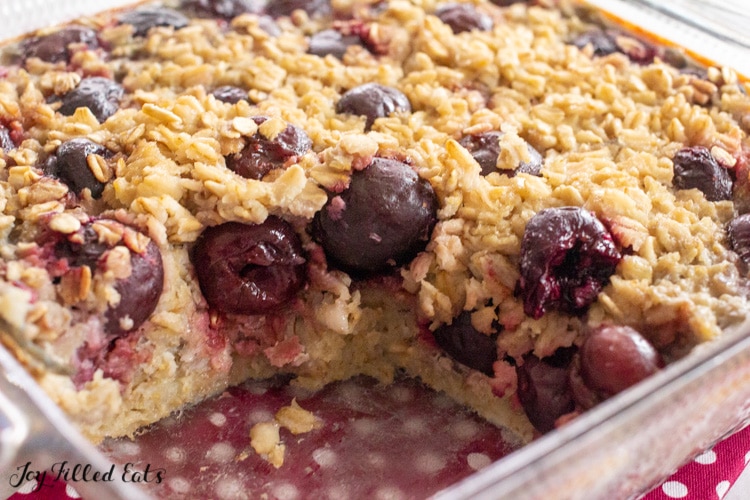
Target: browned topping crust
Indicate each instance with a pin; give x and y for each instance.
(194, 194)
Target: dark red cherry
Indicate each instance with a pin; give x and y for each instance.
(55, 47)
(485, 148)
(223, 9)
(70, 165)
(144, 19)
(567, 256)
(382, 220)
(101, 95)
(139, 293)
(612, 359)
(543, 388)
(462, 17)
(313, 8)
(261, 154)
(373, 101)
(467, 345)
(230, 94)
(696, 168)
(249, 268)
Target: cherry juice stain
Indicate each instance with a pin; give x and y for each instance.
(398, 441)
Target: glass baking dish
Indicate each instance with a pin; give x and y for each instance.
(620, 449)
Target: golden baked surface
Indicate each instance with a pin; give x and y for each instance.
(111, 284)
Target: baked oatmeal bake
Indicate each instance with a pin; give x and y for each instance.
(514, 202)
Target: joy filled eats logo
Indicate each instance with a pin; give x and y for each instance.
(83, 473)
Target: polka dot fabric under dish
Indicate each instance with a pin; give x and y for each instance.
(403, 442)
(711, 474)
(406, 442)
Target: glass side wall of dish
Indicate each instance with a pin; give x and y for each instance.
(618, 165)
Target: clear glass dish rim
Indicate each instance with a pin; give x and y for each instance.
(546, 467)
(554, 455)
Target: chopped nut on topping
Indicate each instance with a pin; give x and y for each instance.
(22, 175)
(629, 232)
(99, 167)
(14, 269)
(43, 191)
(126, 323)
(161, 115)
(65, 82)
(245, 126)
(109, 231)
(513, 152)
(106, 293)
(75, 285)
(477, 128)
(723, 156)
(14, 304)
(35, 213)
(118, 262)
(703, 90)
(704, 86)
(135, 240)
(50, 320)
(359, 146)
(272, 127)
(64, 223)
(713, 74)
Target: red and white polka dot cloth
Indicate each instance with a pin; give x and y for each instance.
(711, 474)
(207, 454)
